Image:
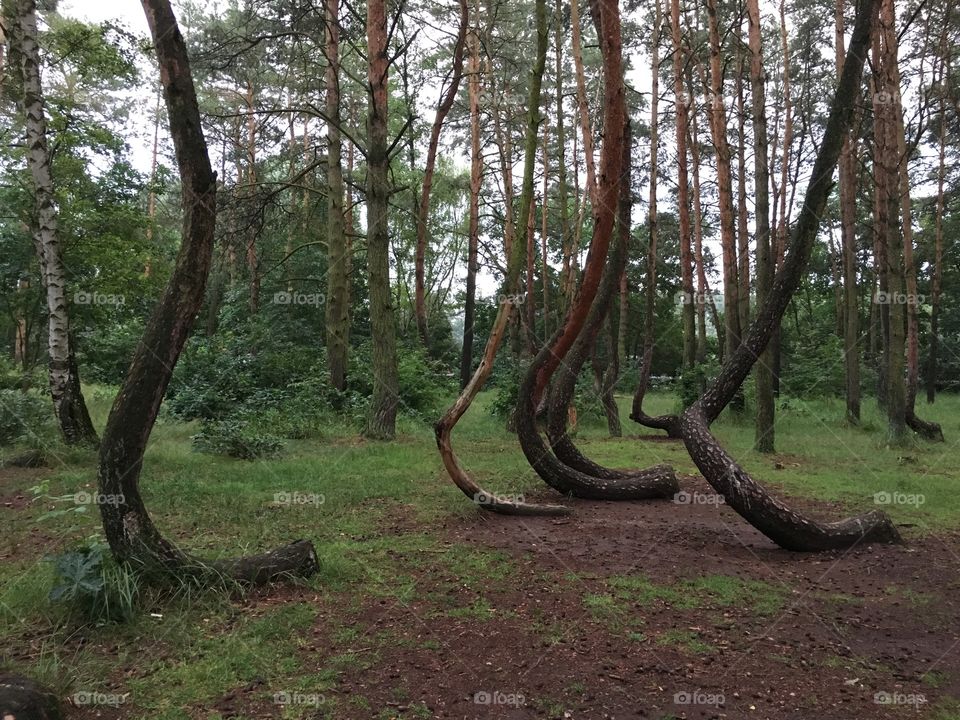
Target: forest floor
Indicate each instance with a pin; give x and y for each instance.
(427, 607)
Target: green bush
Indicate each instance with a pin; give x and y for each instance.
(24, 417)
(104, 351)
(236, 438)
(422, 386)
(92, 586)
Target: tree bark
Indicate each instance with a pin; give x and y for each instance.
(888, 232)
(763, 374)
(473, 242)
(848, 215)
(444, 427)
(132, 536)
(787, 528)
(381, 423)
(637, 413)
(932, 361)
(718, 128)
(657, 482)
(69, 407)
(423, 209)
(337, 307)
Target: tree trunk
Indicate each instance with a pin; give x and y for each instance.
(337, 307)
(656, 482)
(567, 238)
(132, 536)
(570, 471)
(682, 103)
(423, 209)
(886, 161)
(743, 236)
(763, 374)
(637, 413)
(701, 304)
(718, 128)
(381, 423)
(253, 259)
(932, 362)
(788, 529)
(473, 242)
(929, 430)
(582, 106)
(68, 403)
(444, 427)
(544, 260)
(848, 215)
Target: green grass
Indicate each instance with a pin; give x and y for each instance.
(206, 645)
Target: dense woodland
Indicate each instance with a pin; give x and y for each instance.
(270, 219)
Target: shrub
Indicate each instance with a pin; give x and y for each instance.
(92, 586)
(236, 438)
(24, 416)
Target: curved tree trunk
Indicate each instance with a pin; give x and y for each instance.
(656, 482)
(132, 536)
(785, 527)
(423, 209)
(68, 403)
(515, 255)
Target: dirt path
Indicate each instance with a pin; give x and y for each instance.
(602, 616)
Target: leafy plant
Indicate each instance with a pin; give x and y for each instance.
(237, 439)
(93, 586)
(24, 416)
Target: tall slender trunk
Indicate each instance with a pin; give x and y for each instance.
(253, 260)
(701, 304)
(682, 102)
(650, 291)
(932, 366)
(423, 209)
(743, 236)
(68, 403)
(473, 232)
(337, 307)
(530, 302)
(763, 373)
(381, 422)
(888, 233)
(848, 216)
(780, 246)
(444, 427)
(562, 197)
(582, 105)
(544, 260)
(152, 193)
(718, 130)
